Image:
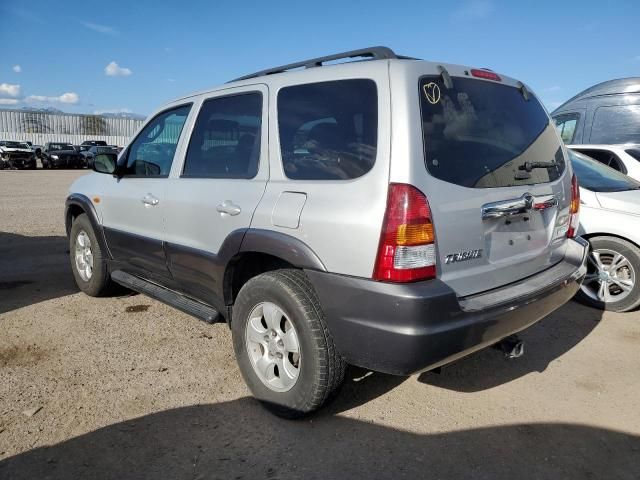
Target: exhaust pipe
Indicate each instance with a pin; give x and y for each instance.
(511, 347)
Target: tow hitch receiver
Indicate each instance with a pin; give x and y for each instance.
(511, 346)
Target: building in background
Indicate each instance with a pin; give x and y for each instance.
(42, 126)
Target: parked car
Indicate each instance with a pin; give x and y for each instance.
(37, 149)
(94, 143)
(610, 221)
(607, 113)
(623, 158)
(61, 155)
(16, 155)
(327, 227)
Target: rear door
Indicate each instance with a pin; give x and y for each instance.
(216, 190)
(496, 190)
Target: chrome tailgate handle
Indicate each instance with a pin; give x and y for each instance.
(517, 206)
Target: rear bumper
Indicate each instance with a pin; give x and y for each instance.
(408, 328)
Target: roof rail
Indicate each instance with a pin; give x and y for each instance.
(375, 53)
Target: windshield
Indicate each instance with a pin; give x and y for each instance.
(634, 152)
(14, 145)
(100, 150)
(480, 134)
(61, 146)
(597, 177)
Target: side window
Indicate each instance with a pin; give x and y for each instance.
(328, 130)
(566, 125)
(616, 124)
(226, 138)
(151, 153)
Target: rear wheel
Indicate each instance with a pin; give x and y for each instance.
(284, 350)
(613, 275)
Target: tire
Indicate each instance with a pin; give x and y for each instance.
(99, 282)
(622, 294)
(320, 370)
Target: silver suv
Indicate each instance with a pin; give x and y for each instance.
(391, 213)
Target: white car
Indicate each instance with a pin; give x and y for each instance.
(623, 158)
(610, 222)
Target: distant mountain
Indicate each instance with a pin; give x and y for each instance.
(42, 109)
(127, 115)
(132, 116)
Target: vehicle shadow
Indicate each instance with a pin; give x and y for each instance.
(32, 270)
(240, 440)
(544, 342)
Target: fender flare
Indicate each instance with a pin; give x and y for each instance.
(281, 245)
(83, 202)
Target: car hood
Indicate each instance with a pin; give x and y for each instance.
(627, 201)
(11, 150)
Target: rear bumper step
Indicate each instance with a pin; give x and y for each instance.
(174, 299)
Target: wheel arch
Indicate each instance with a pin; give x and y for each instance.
(77, 204)
(263, 251)
(590, 235)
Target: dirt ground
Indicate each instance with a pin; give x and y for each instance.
(130, 388)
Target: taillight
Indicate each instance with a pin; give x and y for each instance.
(486, 74)
(574, 207)
(407, 250)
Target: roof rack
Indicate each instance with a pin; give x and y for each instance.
(375, 53)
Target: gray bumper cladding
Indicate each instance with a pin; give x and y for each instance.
(408, 328)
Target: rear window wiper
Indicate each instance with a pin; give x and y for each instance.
(529, 166)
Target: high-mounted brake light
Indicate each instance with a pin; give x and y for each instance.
(574, 208)
(486, 74)
(407, 243)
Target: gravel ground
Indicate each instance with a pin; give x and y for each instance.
(130, 388)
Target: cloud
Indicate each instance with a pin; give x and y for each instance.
(17, 68)
(472, 10)
(9, 90)
(9, 101)
(70, 98)
(107, 30)
(115, 70)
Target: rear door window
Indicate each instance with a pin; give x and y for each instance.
(328, 130)
(483, 134)
(605, 157)
(226, 138)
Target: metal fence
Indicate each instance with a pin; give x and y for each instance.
(43, 127)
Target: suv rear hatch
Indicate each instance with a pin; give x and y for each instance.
(500, 196)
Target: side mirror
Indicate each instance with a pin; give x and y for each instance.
(104, 163)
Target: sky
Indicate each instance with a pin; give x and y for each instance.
(133, 56)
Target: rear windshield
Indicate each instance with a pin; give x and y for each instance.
(597, 177)
(482, 134)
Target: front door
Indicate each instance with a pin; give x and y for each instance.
(133, 205)
(217, 189)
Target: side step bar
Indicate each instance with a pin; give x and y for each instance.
(171, 298)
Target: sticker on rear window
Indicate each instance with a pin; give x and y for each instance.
(432, 92)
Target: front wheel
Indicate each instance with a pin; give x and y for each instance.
(87, 259)
(613, 275)
(284, 350)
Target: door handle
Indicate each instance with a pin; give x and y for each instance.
(228, 208)
(149, 200)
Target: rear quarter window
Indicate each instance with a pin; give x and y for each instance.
(328, 130)
(616, 124)
(481, 134)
